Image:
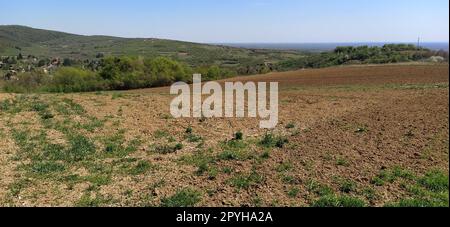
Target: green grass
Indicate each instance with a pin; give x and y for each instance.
(89, 201)
(16, 187)
(183, 198)
(244, 181)
(347, 186)
(429, 190)
(293, 192)
(341, 161)
(435, 181)
(47, 167)
(167, 148)
(284, 167)
(339, 201)
(80, 149)
(239, 136)
(141, 167)
(290, 126)
(192, 138)
(319, 189)
(235, 150)
(389, 176)
(270, 141)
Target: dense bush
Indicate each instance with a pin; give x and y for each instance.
(390, 53)
(114, 73)
(74, 80)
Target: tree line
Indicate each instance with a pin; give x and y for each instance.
(114, 73)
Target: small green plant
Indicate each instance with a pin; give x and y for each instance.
(288, 179)
(159, 134)
(319, 189)
(435, 181)
(270, 141)
(339, 201)
(202, 168)
(284, 167)
(265, 155)
(80, 148)
(341, 161)
(167, 148)
(141, 168)
(47, 167)
(347, 186)
(192, 138)
(189, 130)
(246, 181)
(88, 201)
(184, 198)
(179, 146)
(290, 126)
(293, 192)
(239, 136)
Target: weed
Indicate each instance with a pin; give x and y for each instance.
(290, 126)
(338, 201)
(80, 148)
(167, 148)
(284, 167)
(270, 141)
(293, 192)
(246, 181)
(184, 198)
(46, 167)
(435, 181)
(141, 168)
(239, 136)
(347, 186)
(341, 161)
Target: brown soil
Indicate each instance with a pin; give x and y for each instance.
(374, 118)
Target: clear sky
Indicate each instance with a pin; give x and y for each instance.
(239, 20)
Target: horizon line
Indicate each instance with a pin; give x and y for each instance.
(227, 42)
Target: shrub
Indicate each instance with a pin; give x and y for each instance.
(74, 80)
(239, 136)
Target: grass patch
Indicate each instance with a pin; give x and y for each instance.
(88, 201)
(46, 167)
(293, 192)
(338, 201)
(235, 150)
(184, 198)
(141, 167)
(284, 167)
(246, 181)
(430, 190)
(270, 141)
(167, 148)
(319, 189)
(80, 149)
(347, 186)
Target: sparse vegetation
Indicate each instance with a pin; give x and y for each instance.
(121, 149)
(339, 201)
(184, 198)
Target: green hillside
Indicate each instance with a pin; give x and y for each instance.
(51, 44)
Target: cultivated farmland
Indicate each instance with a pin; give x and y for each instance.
(347, 136)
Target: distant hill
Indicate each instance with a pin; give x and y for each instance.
(51, 44)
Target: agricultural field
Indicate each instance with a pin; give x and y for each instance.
(348, 136)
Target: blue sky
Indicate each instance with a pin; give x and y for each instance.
(239, 20)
